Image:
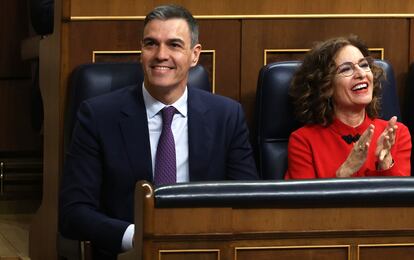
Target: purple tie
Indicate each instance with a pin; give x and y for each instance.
(165, 166)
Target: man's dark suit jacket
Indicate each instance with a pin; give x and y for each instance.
(110, 152)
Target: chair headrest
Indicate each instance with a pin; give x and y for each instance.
(274, 110)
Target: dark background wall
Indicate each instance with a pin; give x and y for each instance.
(16, 131)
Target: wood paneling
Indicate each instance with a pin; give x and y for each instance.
(85, 38)
(386, 252)
(16, 131)
(269, 231)
(390, 34)
(189, 255)
(302, 253)
(223, 36)
(236, 7)
(411, 42)
(126, 36)
(13, 29)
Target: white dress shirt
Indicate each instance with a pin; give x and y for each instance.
(179, 128)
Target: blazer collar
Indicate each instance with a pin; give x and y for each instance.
(134, 127)
(199, 135)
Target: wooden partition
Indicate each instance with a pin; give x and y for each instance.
(271, 232)
(237, 36)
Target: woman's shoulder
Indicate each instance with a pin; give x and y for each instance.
(309, 130)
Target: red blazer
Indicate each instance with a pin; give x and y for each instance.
(315, 151)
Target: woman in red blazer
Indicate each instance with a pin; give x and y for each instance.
(336, 95)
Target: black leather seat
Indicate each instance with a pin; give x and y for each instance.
(274, 114)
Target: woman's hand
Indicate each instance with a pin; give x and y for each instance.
(357, 156)
(384, 145)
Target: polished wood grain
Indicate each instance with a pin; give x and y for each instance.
(223, 37)
(115, 36)
(188, 255)
(85, 38)
(235, 7)
(16, 131)
(386, 252)
(411, 56)
(13, 29)
(53, 60)
(273, 232)
(305, 253)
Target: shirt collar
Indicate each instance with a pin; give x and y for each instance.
(154, 106)
(344, 129)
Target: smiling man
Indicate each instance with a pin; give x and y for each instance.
(160, 131)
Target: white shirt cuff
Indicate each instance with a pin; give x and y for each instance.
(128, 238)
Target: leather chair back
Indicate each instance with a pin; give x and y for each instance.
(274, 114)
(91, 80)
(408, 111)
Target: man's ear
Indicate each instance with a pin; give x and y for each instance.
(140, 55)
(195, 55)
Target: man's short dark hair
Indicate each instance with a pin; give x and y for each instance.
(166, 12)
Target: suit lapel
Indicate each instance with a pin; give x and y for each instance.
(134, 127)
(199, 136)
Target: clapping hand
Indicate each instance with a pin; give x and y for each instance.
(358, 154)
(384, 145)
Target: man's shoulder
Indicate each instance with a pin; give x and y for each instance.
(111, 103)
(114, 97)
(212, 99)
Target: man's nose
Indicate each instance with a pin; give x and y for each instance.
(162, 53)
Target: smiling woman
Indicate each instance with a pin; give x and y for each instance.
(336, 93)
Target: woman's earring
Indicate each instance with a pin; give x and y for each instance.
(330, 102)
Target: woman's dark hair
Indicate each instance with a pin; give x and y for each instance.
(312, 85)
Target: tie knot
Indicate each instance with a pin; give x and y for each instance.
(167, 115)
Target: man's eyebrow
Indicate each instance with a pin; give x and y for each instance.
(146, 39)
(176, 40)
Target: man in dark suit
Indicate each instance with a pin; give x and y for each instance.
(117, 139)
